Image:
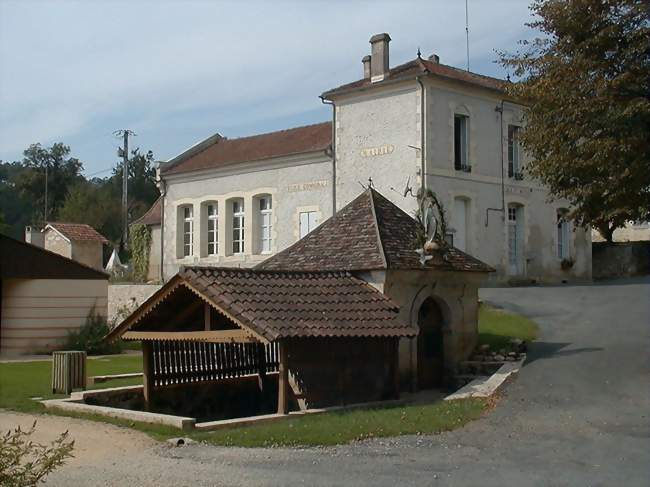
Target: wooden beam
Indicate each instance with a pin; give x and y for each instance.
(147, 373)
(207, 316)
(213, 336)
(283, 380)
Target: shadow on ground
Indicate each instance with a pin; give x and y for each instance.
(544, 350)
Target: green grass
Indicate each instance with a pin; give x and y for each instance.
(497, 327)
(20, 381)
(337, 428)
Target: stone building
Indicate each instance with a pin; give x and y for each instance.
(422, 124)
(76, 241)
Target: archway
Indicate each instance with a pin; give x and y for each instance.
(431, 359)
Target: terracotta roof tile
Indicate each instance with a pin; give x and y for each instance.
(225, 152)
(298, 304)
(369, 233)
(424, 67)
(77, 231)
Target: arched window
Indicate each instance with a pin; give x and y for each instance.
(563, 235)
(265, 221)
(237, 226)
(212, 217)
(187, 230)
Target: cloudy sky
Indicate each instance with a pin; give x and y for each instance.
(176, 72)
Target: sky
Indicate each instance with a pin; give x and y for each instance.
(176, 72)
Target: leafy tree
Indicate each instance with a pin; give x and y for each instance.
(93, 203)
(586, 83)
(16, 210)
(142, 183)
(62, 173)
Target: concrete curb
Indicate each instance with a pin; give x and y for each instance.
(485, 387)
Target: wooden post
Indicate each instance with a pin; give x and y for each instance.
(261, 362)
(147, 372)
(283, 380)
(207, 317)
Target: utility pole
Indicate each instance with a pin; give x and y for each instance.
(45, 209)
(124, 152)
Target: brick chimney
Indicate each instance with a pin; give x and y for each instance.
(366, 67)
(379, 57)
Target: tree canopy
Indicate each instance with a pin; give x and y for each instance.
(586, 84)
(72, 197)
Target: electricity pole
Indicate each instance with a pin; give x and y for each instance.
(45, 209)
(124, 152)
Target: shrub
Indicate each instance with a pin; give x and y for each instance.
(90, 337)
(25, 463)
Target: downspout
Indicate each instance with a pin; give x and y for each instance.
(163, 191)
(503, 184)
(330, 102)
(423, 183)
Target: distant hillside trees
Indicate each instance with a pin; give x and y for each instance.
(72, 197)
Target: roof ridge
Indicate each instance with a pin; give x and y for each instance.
(277, 131)
(257, 270)
(380, 241)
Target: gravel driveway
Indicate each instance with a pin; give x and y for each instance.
(578, 414)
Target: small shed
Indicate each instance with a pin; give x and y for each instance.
(76, 241)
(325, 338)
(43, 297)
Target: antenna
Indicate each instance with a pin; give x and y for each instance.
(467, 31)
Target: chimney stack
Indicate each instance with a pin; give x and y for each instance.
(379, 57)
(366, 67)
(434, 58)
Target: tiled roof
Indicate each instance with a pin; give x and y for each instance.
(424, 67)
(225, 152)
(21, 260)
(153, 216)
(369, 233)
(77, 231)
(279, 305)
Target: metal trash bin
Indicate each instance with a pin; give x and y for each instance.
(68, 371)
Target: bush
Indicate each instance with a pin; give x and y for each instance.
(90, 337)
(25, 463)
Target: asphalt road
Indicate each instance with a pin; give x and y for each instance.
(577, 415)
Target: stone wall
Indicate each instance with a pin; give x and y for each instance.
(124, 298)
(620, 259)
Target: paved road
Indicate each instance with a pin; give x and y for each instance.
(578, 414)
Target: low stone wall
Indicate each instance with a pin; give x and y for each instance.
(620, 259)
(124, 298)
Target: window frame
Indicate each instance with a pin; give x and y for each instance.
(265, 224)
(312, 222)
(563, 226)
(187, 230)
(461, 142)
(514, 152)
(212, 248)
(238, 217)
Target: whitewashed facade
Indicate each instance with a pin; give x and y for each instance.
(457, 128)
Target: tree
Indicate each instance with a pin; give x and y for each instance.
(16, 210)
(62, 173)
(93, 203)
(586, 85)
(142, 183)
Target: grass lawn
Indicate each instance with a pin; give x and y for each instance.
(20, 381)
(497, 327)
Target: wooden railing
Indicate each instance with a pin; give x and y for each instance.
(184, 362)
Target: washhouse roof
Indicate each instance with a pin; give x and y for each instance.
(277, 305)
(370, 233)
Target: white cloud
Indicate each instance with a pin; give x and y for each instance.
(78, 70)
